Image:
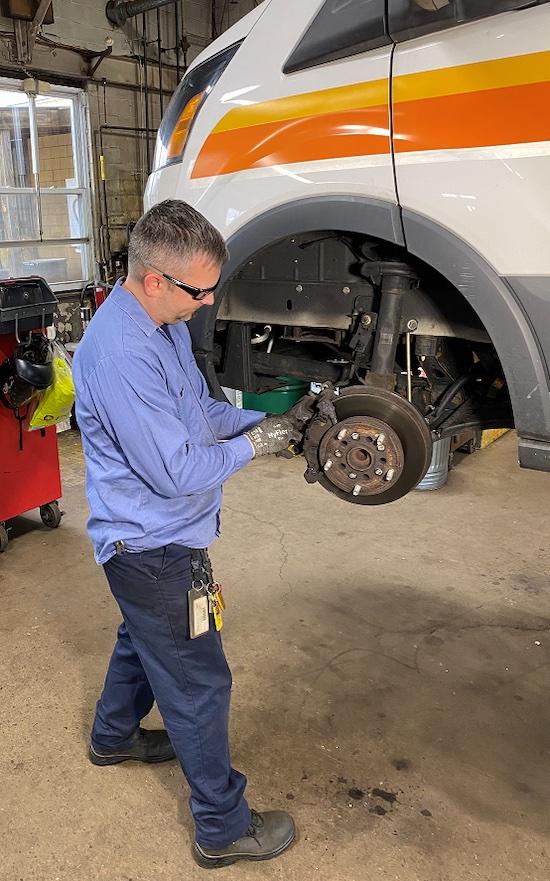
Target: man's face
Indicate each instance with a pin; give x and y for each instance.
(169, 303)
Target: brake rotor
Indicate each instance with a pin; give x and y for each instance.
(377, 451)
(361, 455)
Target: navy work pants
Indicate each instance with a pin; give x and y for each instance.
(154, 659)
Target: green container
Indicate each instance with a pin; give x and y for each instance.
(278, 400)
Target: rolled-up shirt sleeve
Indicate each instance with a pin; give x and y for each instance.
(132, 402)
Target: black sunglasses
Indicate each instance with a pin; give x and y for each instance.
(196, 293)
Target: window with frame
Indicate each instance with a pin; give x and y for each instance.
(414, 18)
(45, 205)
(340, 29)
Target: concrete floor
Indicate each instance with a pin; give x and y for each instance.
(404, 648)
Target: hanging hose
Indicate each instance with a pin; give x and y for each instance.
(450, 392)
(438, 415)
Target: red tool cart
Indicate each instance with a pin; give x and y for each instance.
(29, 461)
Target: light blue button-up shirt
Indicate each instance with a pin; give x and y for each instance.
(158, 448)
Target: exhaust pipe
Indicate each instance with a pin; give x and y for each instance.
(119, 13)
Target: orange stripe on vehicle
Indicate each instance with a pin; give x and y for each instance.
(480, 75)
(514, 115)
(501, 101)
(362, 131)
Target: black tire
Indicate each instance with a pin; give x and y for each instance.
(51, 515)
(3, 538)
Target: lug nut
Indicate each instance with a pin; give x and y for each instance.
(380, 448)
(355, 435)
(390, 473)
(379, 472)
(352, 475)
(338, 454)
(328, 465)
(342, 434)
(412, 324)
(356, 489)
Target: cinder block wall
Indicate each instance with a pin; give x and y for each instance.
(116, 98)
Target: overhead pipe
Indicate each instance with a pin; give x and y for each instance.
(177, 33)
(159, 52)
(146, 93)
(119, 13)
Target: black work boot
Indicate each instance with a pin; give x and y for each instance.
(268, 835)
(146, 746)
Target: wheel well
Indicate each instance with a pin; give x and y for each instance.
(486, 307)
(313, 280)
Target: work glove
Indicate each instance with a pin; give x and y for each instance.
(273, 434)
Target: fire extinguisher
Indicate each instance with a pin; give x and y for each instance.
(92, 296)
(100, 294)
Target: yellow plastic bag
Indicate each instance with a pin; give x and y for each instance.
(56, 402)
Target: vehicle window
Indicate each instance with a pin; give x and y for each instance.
(340, 28)
(413, 18)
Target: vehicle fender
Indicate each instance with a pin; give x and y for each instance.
(490, 295)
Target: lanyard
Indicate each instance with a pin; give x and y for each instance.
(201, 568)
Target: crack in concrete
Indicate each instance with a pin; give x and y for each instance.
(379, 630)
(282, 542)
(415, 665)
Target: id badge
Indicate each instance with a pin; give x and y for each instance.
(199, 618)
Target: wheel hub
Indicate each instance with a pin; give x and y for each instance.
(367, 445)
(361, 456)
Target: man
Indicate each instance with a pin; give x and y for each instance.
(158, 449)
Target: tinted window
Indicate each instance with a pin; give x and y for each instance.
(412, 18)
(340, 28)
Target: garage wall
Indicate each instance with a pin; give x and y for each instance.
(228, 12)
(67, 51)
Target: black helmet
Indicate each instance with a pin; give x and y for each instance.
(28, 370)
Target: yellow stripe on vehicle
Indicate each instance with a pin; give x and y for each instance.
(502, 101)
(480, 76)
(309, 104)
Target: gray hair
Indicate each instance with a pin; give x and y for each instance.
(172, 229)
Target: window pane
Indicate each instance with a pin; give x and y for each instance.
(62, 216)
(413, 18)
(15, 145)
(55, 141)
(18, 217)
(55, 263)
(340, 30)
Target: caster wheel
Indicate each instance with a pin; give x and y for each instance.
(51, 515)
(3, 538)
